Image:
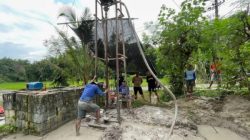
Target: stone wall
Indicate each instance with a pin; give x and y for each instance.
(39, 112)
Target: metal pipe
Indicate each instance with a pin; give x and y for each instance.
(106, 52)
(150, 70)
(123, 46)
(117, 65)
(96, 53)
(102, 12)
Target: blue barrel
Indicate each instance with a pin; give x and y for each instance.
(34, 86)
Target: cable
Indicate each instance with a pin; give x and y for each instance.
(176, 4)
(231, 10)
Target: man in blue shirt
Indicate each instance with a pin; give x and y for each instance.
(190, 78)
(124, 91)
(85, 103)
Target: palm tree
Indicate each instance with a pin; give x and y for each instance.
(78, 50)
(82, 27)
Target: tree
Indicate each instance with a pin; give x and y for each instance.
(179, 39)
(238, 37)
(13, 70)
(151, 40)
(79, 50)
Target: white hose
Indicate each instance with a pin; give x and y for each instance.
(150, 70)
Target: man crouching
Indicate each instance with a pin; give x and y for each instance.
(85, 103)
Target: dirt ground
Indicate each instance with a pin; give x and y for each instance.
(222, 118)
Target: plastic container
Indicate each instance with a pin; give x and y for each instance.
(34, 86)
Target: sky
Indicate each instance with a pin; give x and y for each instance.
(25, 24)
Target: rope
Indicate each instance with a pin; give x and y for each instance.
(150, 70)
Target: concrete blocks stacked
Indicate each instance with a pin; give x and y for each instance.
(39, 113)
(9, 107)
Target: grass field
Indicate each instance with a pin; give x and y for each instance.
(18, 85)
(22, 85)
(12, 86)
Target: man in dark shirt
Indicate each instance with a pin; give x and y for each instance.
(152, 86)
(121, 79)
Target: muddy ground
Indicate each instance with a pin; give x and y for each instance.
(222, 118)
(203, 118)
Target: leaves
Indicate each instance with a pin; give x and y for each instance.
(179, 39)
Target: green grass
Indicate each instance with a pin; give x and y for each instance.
(12, 86)
(7, 129)
(207, 93)
(22, 85)
(144, 83)
(140, 102)
(18, 85)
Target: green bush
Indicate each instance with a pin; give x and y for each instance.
(7, 129)
(164, 97)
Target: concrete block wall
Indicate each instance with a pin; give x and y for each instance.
(37, 113)
(9, 107)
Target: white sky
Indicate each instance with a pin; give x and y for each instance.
(24, 23)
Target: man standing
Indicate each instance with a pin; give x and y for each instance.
(85, 103)
(152, 86)
(215, 72)
(190, 78)
(137, 81)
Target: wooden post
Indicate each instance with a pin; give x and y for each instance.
(106, 8)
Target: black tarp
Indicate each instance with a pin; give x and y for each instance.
(134, 59)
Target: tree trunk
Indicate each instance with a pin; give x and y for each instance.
(177, 77)
(177, 84)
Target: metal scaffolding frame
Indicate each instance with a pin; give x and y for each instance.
(105, 5)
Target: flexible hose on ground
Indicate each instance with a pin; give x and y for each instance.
(150, 70)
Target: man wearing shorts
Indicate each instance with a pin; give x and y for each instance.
(190, 77)
(137, 81)
(215, 72)
(152, 86)
(85, 103)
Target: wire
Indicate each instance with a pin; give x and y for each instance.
(225, 2)
(176, 4)
(231, 10)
